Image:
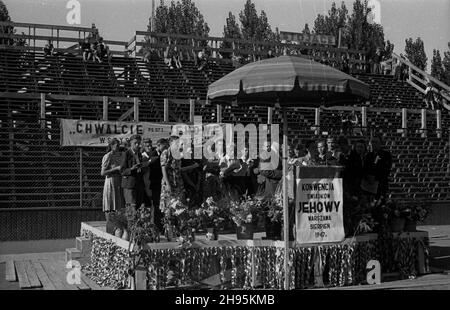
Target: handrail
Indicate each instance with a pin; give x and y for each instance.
(45, 26)
(422, 81)
(243, 41)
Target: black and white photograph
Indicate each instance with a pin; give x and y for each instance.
(240, 148)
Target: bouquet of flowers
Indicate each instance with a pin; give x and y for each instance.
(393, 209)
(273, 208)
(212, 213)
(417, 212)
(143, 229)
(181, 218)
(245, 210)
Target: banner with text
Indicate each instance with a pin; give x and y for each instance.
(319, 214)
(99, 133)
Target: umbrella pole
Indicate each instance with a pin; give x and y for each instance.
(285, 203)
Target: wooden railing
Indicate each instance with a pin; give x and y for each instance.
(225, 48)
(63, 37)
(419, 79)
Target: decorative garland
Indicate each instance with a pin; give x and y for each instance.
(342, 264)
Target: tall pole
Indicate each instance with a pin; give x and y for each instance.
(285, 204)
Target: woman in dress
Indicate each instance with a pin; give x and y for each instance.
(172, 186)
(112, 192)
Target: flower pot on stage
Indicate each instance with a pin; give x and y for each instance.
(245, 232)
(411, 226)
(212, 233)
(398, 224)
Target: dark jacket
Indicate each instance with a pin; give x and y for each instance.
(379, 165)
(131, 179)
(155, 168)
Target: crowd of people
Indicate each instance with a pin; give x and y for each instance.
(141, 175)
(94, 49)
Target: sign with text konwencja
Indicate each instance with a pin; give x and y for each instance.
(99, 133)
(319, 205)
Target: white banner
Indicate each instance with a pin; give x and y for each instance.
(318, 213)
(99, 133)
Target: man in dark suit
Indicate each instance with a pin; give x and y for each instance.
(377, 166)
(132, 176)
(153, 177)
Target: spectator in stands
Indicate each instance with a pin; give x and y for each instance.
(429, 95)
(86, 50)
(112, 192)
(176, 58)
(345, 65)
(101, 51)
(376, 61)
(49, 50)
(202, 59)
(270, 54)
(172, 186)
(237, 61)
(132, 169)
(354, 169)
(377, 167)
(168, 57)
(396, 69)
(404, 74)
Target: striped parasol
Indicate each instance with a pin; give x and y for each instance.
(290, 80)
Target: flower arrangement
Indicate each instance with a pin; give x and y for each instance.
(417, 212)
(212, 213)
(143, 230)
(245, 210)
(273, 209)
(179, 217)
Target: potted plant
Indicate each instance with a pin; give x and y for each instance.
(244, 213)
(415, 212)
(212, 214)
(396, 213)
(273, 211)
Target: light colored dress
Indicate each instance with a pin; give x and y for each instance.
(173, 168)
(112, 192)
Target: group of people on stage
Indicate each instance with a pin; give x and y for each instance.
(144, 175)
(366, 167)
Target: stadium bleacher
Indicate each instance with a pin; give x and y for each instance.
(36, 173)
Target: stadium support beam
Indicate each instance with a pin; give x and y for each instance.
(105, 108)
(191, 110)
(269, 115)
(166, 110)
(136, 109)
(404, 122)
(439, 123)
(219, 113)
(423, 128)
(42, 110)
(317, 121)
